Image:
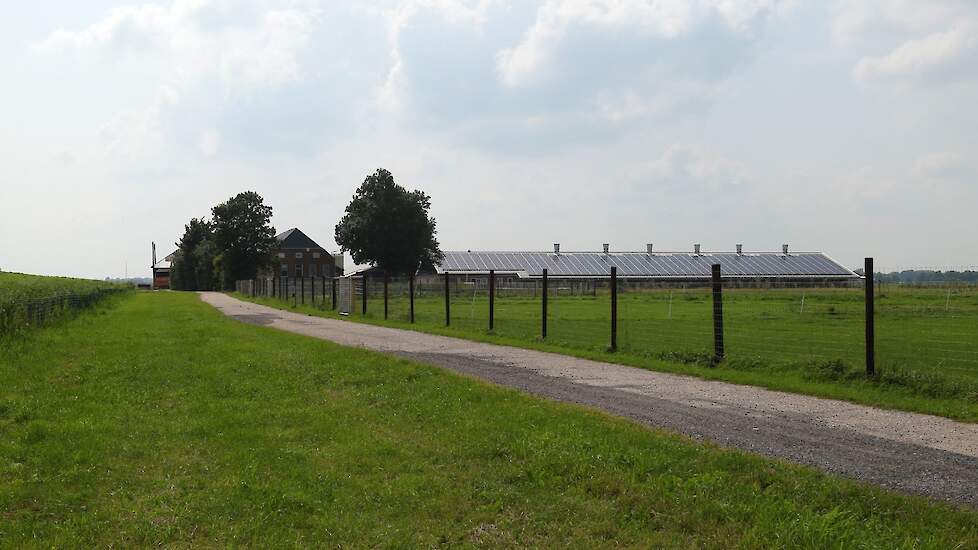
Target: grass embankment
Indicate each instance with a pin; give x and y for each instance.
(160, 422)
(927, 355)
(29, 301)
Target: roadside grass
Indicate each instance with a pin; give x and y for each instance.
(160, 422)
(30, 301)
(798, 364)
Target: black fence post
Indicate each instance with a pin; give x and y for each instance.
(492, 299)
(332, 291)
(312, 290)
(448, 302)
(411, 292)
(870, 320)
(324, 292)
(364, 305)
(386, 281)
(718, 351)
(302, 290)
(614, 308)
(543, 328)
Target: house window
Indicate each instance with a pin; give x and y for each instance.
(298, 255)
(284, 271)
(315, 255)
(298, 270)
(281, 254)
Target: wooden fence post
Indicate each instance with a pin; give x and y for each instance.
(364, 295)
(718, 351)
(543, 316)
(386, 282)
(492, 299)
(411, 292)
(614, 308)
(448, 302)
(870, 319)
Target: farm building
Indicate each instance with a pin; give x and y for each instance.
(161, 270)
(300, 256)
(650, 265)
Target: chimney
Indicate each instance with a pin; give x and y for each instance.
(556, 248)
(740, 249)
(696, 249)
(648, 248)
(784, 249)
(606, 246)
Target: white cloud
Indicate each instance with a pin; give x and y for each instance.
(691, 169)
(665, 19)
(253, 43)
(951, 54)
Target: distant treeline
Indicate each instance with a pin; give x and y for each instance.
(920, 276)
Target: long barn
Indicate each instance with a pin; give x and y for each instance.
(648, 265)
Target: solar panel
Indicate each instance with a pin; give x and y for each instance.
(644, 265)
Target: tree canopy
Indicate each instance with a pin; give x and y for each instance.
(244, 237)
(388, 226)
(193, 266)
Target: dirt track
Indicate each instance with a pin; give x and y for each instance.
(908, 452)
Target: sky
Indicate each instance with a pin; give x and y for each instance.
(844, 127)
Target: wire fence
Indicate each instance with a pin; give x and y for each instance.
(20, 314)
(822, 326)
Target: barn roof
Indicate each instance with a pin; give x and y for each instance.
(655, 265)
(294, 239)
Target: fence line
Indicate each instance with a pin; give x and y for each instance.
(721, 319)
(21, 314)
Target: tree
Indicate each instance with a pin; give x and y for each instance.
(244, 236)
(388, 226)
(186, 263)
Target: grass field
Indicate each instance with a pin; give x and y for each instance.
(799, 340)
(27, 301)
(159, 422)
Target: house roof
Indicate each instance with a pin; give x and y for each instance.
(166, 262)
(294, 239)
(656, 265)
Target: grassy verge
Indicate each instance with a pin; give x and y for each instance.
(159, 422)
(894, 388)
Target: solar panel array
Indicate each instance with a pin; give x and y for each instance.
(659, 265)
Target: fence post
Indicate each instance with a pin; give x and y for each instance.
(614, 308)
(363, 306)
(543, 316)
(448, 302)
(411, 292)
(870, 320)
(386, 281)
(324, 292)
(492, 299)
(312, 290)
(717, 315)
(302, 290)
(332, 291)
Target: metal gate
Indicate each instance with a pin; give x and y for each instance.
(344, 297)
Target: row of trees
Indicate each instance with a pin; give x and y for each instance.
(921, 276)
(236, 243)
(385, 225)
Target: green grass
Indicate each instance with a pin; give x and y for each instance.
(927, 353)
(159, 422)
(20, 286)
(29, 301)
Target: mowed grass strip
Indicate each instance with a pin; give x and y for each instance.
(160, 422)
(817, 353)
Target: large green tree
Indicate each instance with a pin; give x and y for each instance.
(388, 226)
(193, 265)
(244, 236)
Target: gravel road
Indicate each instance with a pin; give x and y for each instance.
(908, 452)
